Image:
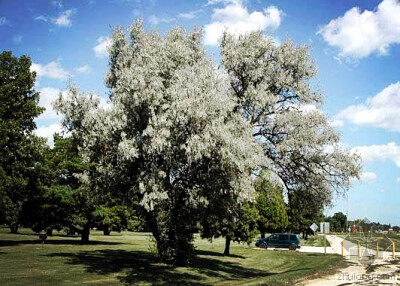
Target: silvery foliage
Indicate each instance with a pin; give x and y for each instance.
(176, 125)
(271, 84)
(168, 134)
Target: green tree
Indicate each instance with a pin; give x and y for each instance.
(304, 209)
(19, 147)
(240, 222)
(113, 218)
(272, 213)
(339, 221)
(56, 209)
(66, 203)
(69, 165)
(234, 222)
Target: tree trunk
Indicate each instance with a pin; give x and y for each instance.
(13, 228)
(263, 235)
(174, 245)
(85, 233)
(106, 231)
(173, 238)
(152, 224)
(49, 232)
(227, 245)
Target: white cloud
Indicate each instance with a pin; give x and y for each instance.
(47, 96)
(17, 39)
(4, 21)
(357, 33)
(57, 4)
(48, 132)
(398, 180)
(336, 122)
(64, 19)
(236, 19)
(105, 103)
(368, 177)
(226, 2)
(83, 69)
(51, 70)
(189, 15)
(381, 110)
(154, 20)
(100, 50)
(41, 18)
(382, 153)
(136, 2)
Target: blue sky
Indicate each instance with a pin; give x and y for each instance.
(355, 45)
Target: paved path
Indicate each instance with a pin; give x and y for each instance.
(384, 272)
(316, 249)
(336, 244)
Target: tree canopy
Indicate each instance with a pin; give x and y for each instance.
(272, 88)
(20, 149)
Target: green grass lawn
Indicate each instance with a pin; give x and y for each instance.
(125, 258)
(315, 240)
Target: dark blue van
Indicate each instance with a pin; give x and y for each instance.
(280, 240)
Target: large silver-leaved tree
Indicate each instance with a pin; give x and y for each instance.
(272, 87)
(169, 135)
(181, 136)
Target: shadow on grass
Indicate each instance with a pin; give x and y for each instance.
(53, 235)
(55, 241)
(312, 254)
(140, 267)
(212, 253)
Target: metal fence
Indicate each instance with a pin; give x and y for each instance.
(367, 247)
